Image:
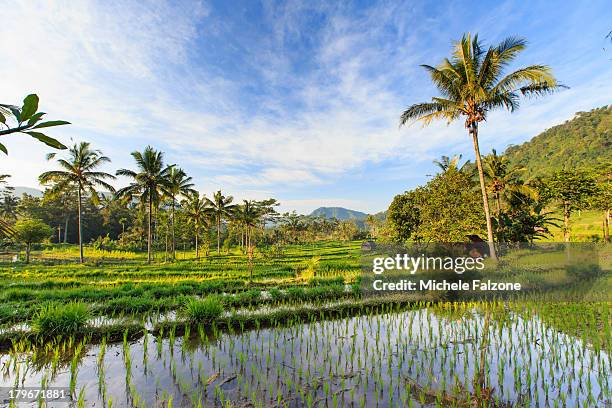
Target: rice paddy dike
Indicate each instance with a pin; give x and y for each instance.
(294, 329)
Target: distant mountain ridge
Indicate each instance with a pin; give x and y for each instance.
(339, 213)
(581, 142)
(21, 190)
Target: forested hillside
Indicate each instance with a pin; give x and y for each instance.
(584, 141)
(339, 213)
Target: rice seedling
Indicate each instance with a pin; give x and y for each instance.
(202, 311)
(57, 319)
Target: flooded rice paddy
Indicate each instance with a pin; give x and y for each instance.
(411, 358)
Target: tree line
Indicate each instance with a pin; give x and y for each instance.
(158, 208)
(524, 208)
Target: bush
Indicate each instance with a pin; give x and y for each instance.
(58, 319)
(202, 311)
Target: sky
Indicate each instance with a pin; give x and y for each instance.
(296, 100)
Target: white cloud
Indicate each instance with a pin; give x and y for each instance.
(128, 74)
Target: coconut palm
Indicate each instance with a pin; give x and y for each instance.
(149, 184)
(222, 207)
(198, 215)
(249, 215)
(180, 185)
(446, 163)
(79, 172)
(472, 83)
(502, 179)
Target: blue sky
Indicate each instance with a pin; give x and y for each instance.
(295, 100)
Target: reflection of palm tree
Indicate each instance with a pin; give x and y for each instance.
(472, 84)
(222, 207)
(79, 172)
(149, 184)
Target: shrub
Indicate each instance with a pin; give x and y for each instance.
(202, 311)
(58, 319)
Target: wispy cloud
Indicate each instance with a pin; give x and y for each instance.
(282, 98)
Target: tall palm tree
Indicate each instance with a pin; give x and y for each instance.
(198, 214)
(79, 173)
(249, 215)
(222, 207)
(149, 184)
(472, 83)
(180, 185)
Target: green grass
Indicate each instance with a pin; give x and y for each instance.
(202, 310)
(585, 226)
(61, 319)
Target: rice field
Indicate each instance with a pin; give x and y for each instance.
(294, 331)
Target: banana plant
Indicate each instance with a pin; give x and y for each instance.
(27, 120)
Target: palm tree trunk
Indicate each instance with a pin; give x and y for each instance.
(66, 230)
(218, 234)
(79, 223)
(149, 232)
(607, 225)
(566, 217)
(498, 201)
(485, 199)
(173, 231)
(197, 247)
(166, 247)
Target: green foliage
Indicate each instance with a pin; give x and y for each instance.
(61, 319)
(31, 231)
(582, 142)
(403, 215)
(570, 189)
(473, 83)
(202, 311)
(446, 209)
(26, 119)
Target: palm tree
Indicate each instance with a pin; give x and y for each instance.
(79, 173)
(180, 184)
(446, 163)
(198, 214)
(149, 184)
(249, 215)
(222, 207)
(472, 84)
(503, 179)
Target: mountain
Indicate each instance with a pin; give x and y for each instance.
(339, 213)
(21, 190)
(583, 141)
